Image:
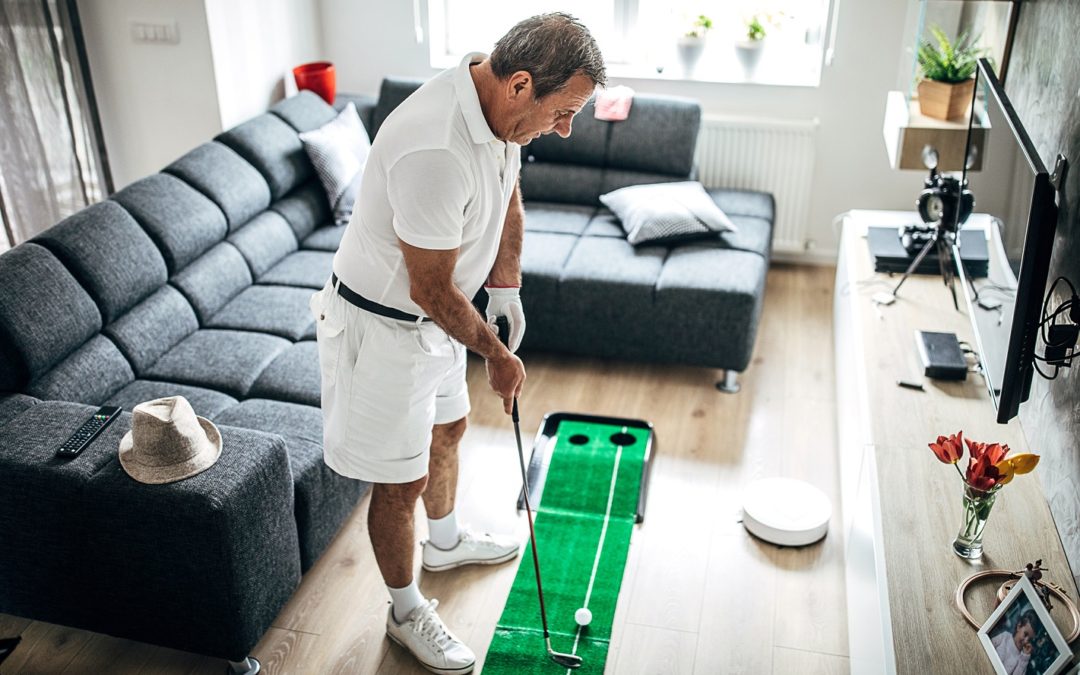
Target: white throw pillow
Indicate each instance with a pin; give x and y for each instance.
(339, 150)
(667, 213)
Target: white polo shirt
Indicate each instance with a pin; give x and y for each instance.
(438, 179)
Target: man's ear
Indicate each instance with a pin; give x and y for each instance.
(519, 84)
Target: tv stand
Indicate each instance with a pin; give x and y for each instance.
(901, 507)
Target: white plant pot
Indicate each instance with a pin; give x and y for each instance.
(690, 50)
(749, 53)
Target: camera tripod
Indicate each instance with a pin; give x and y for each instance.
(942, 239)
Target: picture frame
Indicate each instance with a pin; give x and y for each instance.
(1020, 633)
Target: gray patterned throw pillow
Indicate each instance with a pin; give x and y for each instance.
(338, 151)
(667, 213)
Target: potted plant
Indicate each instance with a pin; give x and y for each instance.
(748, 49)
(692, 43)
(947, 86)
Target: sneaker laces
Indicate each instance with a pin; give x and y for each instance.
(466, 535)
(430, 627)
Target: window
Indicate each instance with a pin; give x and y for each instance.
(650, 38)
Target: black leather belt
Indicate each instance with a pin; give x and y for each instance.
(370, 306)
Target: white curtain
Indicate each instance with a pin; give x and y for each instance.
(52, 161)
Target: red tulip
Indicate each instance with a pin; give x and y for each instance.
(975, 449)
(949, 450)
(996, 452)
(981, 474)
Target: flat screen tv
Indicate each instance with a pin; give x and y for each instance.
(1013, 187)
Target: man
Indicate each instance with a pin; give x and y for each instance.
(439, 214)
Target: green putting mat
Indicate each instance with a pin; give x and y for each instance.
(588, 504)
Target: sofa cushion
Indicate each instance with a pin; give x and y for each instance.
(264, 241)
(304, 112)
(12, 405)
(206, 402)
(214, 279)
(605, 224)
(90, 374)
(658, 136)
(278, 310)
(293, 376)
(562, 183)
(605, 276)
(563, 218)
(44, 314)
(745, 203)
(393, 91)
(153, 327)
(111, 256)
(182, 221)
(224, 360)
(326, 238)
(307, 269)
(226, 178)
(754, 235)
(615, 179)
(324, 499)
(304, 208)
(711, 292)
(585, 145)
(272, 147)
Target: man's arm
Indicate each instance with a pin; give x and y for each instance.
(506, 272)
(431, 286)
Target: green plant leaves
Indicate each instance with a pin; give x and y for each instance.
(949, 61)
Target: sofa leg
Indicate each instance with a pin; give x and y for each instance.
(248, 666)
(730, 383)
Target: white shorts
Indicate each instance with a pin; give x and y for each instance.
(384, 384)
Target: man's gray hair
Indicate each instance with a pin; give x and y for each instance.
(552, 48)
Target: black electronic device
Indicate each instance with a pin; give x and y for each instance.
(89, 430)
(941, 355)
(1016, 190)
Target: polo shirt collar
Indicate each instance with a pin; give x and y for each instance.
(470, 101)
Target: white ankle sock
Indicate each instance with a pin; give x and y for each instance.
(443, 532)
(405, 600)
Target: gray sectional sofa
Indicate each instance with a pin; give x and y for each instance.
(195, 281)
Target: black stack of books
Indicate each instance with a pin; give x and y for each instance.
(890, 255)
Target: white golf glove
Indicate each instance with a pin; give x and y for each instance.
(507, 302)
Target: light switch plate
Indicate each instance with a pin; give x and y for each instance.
(154, 32)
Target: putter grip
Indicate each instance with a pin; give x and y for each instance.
(502, 325)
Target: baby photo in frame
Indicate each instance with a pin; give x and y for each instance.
(1020, 637)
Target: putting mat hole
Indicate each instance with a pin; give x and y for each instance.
(578, 439)
(622, 439)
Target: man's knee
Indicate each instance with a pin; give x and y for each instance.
(449, 434)
(403, 494)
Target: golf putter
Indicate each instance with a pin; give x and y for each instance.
(564, 660)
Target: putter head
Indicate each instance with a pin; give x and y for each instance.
(566, 660)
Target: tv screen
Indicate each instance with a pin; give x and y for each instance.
(1013, 187)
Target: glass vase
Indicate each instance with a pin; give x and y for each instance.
(977, 505)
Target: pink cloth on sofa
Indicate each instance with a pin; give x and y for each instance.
(613, 105)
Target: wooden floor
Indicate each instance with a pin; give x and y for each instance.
(699, 595)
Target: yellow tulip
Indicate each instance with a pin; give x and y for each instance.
(1017, 464)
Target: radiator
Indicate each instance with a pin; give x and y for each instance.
(774, 156)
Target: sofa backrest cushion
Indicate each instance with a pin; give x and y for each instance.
(226, 178)
(394, 90)
(274, 148)
(587, 143)
(305, 208)
(265, 240)
(180, 219)
(110, 255)
(304, 112)
(44, 314)
(91, 374)
(659, 136)
(153, 327)
(214, 279)
(561, 183)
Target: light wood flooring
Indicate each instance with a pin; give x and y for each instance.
(699, 594)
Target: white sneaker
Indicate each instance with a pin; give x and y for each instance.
(471, 549)
(430, 641)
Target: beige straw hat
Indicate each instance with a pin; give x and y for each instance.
(168, 442)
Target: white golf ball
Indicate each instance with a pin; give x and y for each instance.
(583, 616)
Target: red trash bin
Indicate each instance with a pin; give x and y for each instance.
(317, 77)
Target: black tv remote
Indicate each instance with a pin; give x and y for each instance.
(90, 429)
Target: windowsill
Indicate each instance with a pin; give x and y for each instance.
(779, 65)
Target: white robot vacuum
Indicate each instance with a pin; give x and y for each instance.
(786, 512)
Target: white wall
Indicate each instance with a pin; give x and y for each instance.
(157, 101)
(367, 40)
(255, 44)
